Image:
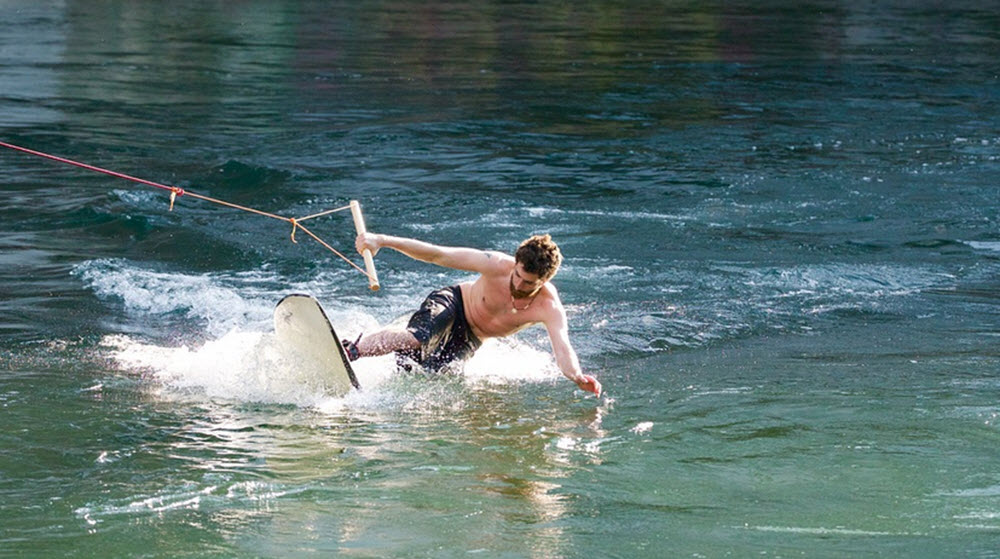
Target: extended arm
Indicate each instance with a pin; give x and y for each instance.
(566, 357)
(459, 258)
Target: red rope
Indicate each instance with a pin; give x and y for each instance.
(88, 167)
(177, 191)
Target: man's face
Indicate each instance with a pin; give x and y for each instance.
(524, 284)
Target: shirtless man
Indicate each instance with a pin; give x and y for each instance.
(509, 295)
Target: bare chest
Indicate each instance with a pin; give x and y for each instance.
(492, 313)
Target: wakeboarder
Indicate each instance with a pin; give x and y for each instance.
(510, 294)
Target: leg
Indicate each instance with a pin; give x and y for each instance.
(428, 328)
(387, 341)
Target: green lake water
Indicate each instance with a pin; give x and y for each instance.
(780, 225)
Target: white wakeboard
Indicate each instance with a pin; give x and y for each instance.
(304, 331)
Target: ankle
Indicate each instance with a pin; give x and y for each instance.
(351, 348)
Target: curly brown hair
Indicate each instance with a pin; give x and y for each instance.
(540, 256)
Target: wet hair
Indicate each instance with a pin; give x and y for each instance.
(540, 256)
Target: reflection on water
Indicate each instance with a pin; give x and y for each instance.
(128, 66)
(779, 224)
(472, 453)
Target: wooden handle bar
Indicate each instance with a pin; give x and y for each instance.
(359, 225)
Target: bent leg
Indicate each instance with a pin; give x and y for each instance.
(387, 341)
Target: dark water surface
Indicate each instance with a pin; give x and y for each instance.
(780, 223)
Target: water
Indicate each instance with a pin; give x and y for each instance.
(780, 224)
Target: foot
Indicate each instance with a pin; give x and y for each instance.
(351, 348)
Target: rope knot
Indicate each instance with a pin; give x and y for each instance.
(175, 191)
(295, 225)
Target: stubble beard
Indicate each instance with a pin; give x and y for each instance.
(519, 294)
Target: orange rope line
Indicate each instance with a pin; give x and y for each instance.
(320, 214)
(333, 250)
(177, 191)
(237, 206)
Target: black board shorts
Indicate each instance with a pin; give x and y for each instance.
(442, 330)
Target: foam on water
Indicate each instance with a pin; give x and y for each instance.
(237, 357)
(841, 280)
(251, 367)
(835, 531)
(698, 305)
(241, 366)
(214, 299)
(992, 246)
(501, 361)
(189, 496)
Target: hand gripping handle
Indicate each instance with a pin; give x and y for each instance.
(359, 225)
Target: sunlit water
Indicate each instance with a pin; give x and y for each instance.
(782, 251)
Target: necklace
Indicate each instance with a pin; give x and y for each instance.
(514, 308)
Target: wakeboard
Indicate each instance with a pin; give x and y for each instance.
(304, 331)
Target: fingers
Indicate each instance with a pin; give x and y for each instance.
(366, 241)
(590, 384)
(596, 386)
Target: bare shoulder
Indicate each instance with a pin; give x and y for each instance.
(552, 314)
(496, 263)
(551, 304)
